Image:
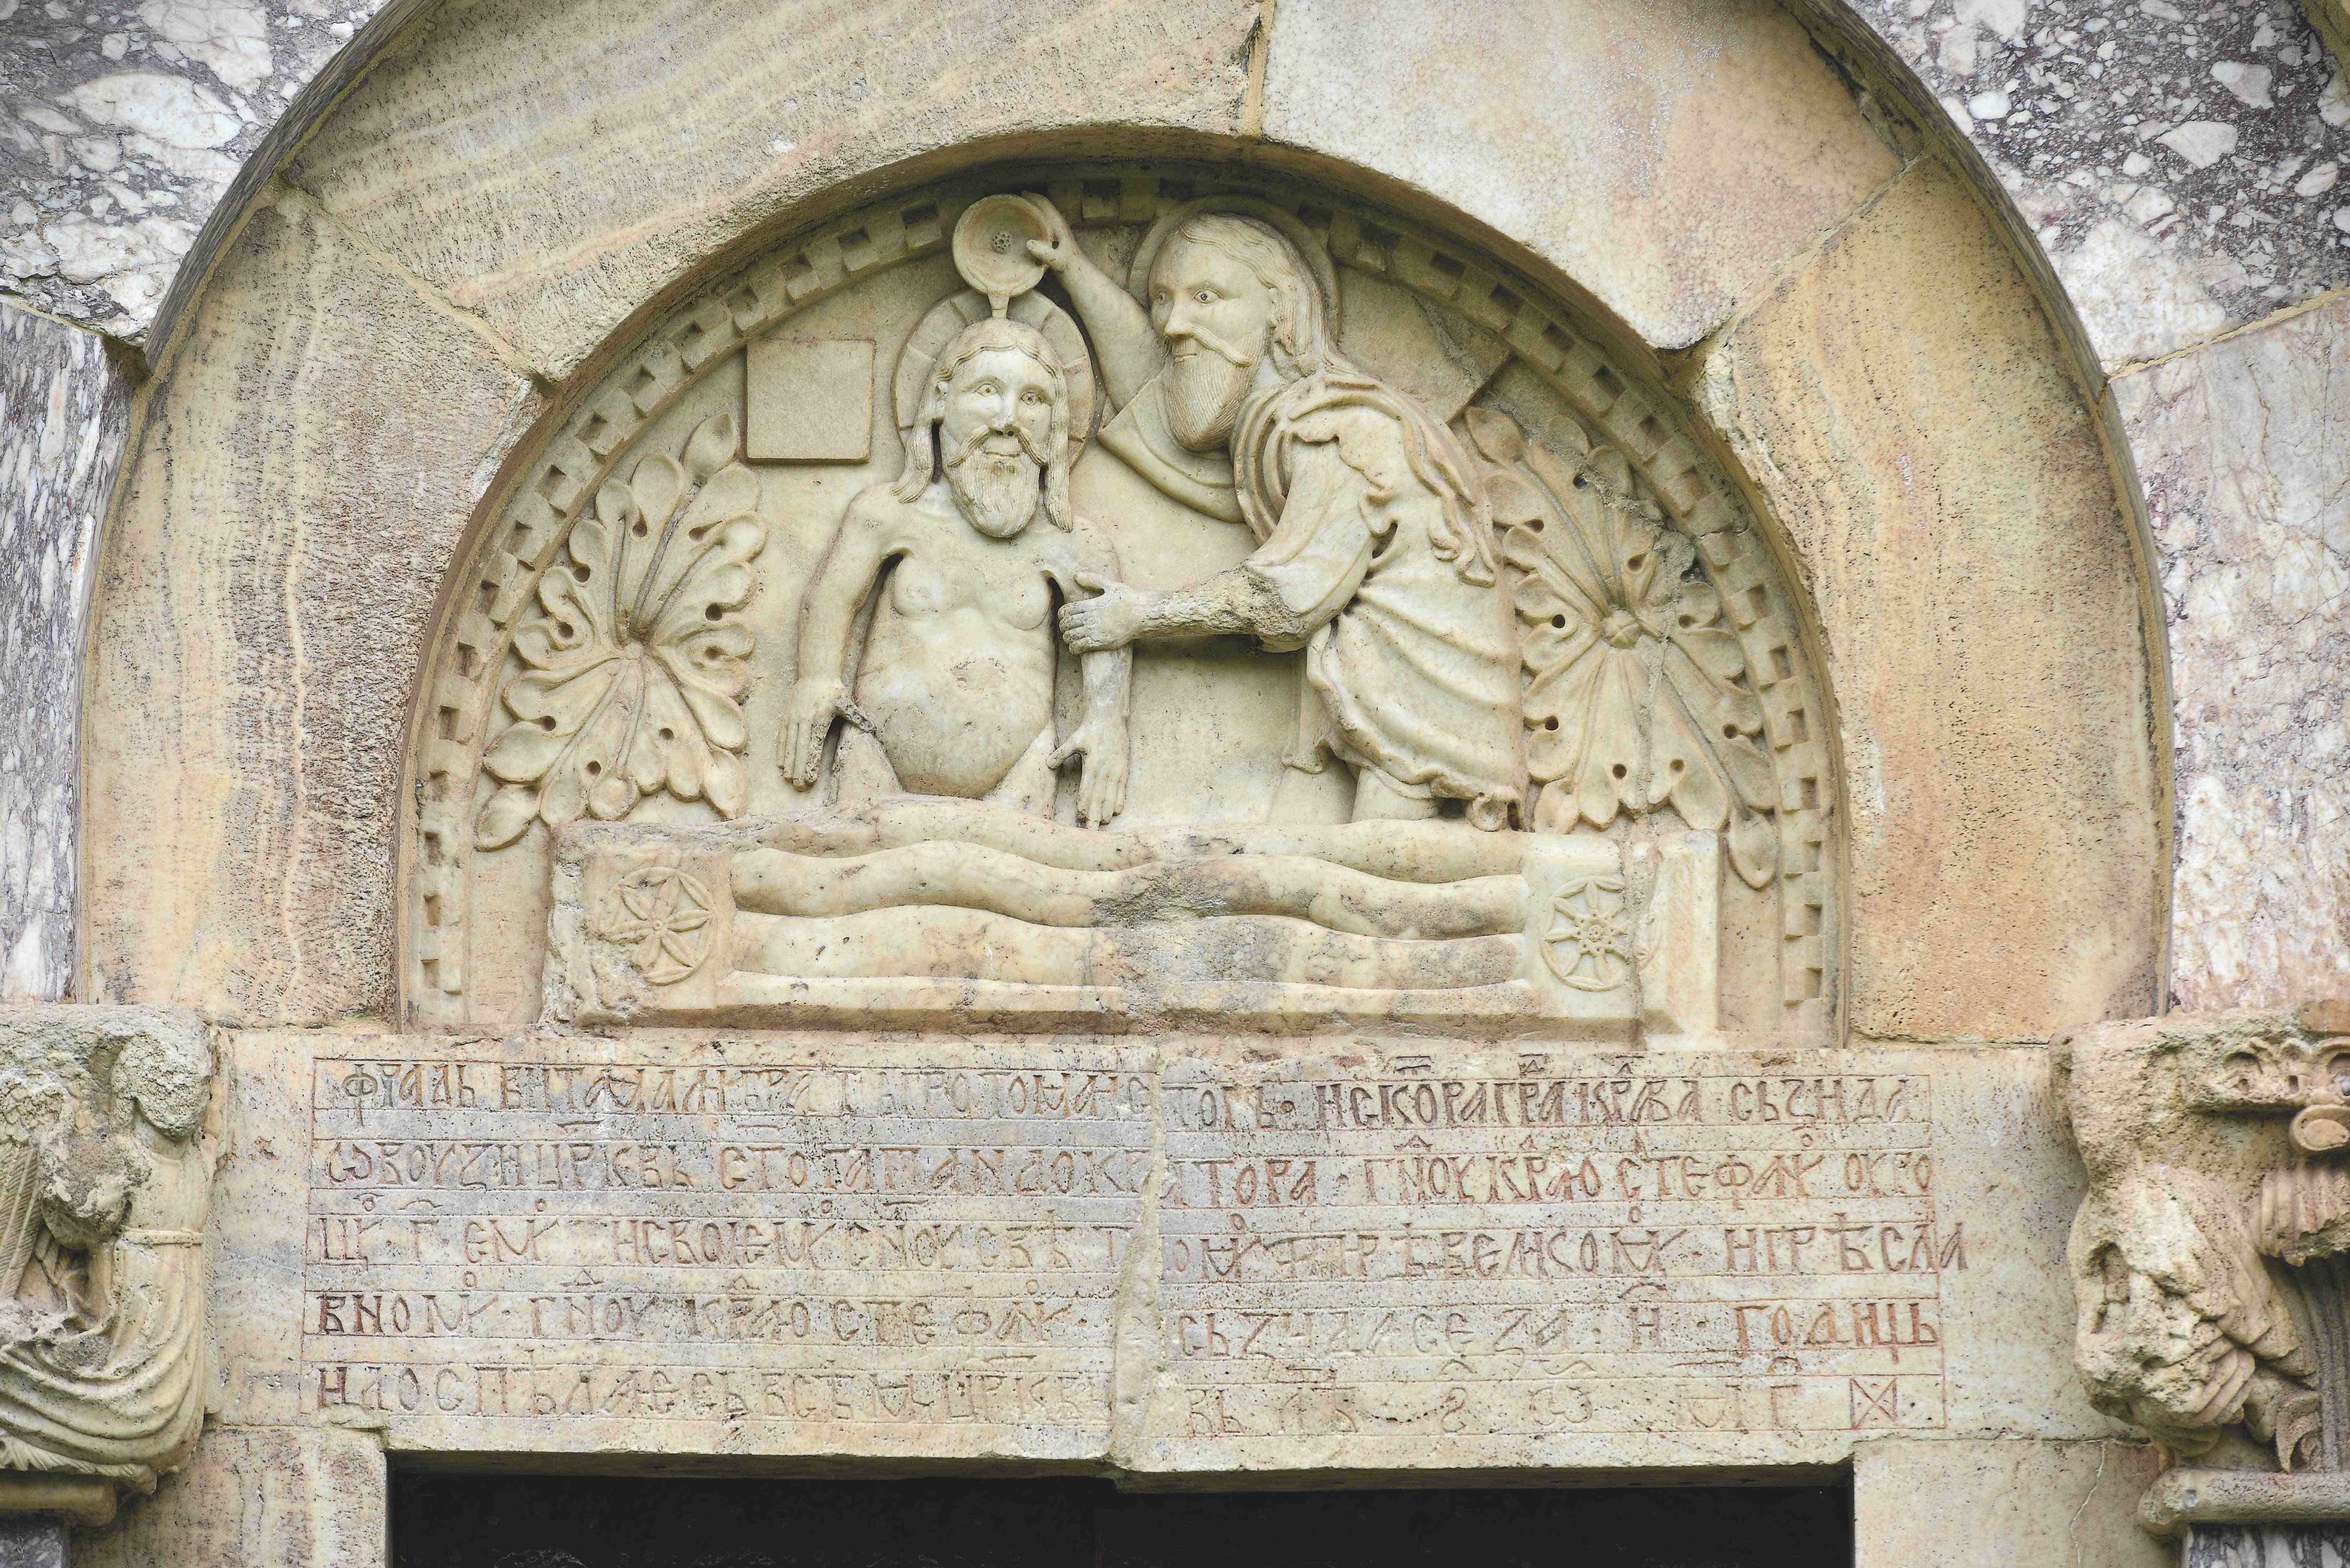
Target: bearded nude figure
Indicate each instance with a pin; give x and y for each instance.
(955, 680)
(1375, 538)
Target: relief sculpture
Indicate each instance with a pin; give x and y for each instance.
(1262, 616)
(2211, 1254)
(104, 1188)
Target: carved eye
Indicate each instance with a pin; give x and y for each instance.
(1032, 396)
(2337, 1074)
(1206, 296)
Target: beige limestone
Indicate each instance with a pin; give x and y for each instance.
(244, 749)
(1956, 1504)
(105, 1194)
(1063, 706)
(526, 208)
(1671, 158)
(378, 496)
(256, 1498)
(1981, 612)
(1187, 1255)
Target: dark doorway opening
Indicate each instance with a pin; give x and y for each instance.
(507, 1521)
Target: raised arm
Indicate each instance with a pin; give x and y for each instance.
(827, 611)
(1125, 342)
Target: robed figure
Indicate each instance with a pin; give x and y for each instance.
(1375, 541)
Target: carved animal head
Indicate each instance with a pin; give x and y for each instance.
(2140, 1089)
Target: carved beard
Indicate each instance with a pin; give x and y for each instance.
(1208, 383)
(997, 492)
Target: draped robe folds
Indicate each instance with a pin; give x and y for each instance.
(1374, 535)
(124, 1398)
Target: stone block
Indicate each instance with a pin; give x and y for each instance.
(1611, 138)
(252, 684)
(1930, 1504)
(525, 208)
(1982, 619)
(257, 1497)
(1177, 1256)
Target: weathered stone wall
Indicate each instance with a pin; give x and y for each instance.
(2179, 171)
(1954, 484)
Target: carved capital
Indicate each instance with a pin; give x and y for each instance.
(2208, 1258)
(105, 1182)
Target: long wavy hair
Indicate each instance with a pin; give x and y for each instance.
(923, 440)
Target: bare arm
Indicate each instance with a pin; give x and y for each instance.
(1125, 342)
(1237, 603)
(827, 611)
(1101, 736)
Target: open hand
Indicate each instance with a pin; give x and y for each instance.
(1101, 785)
(1111, 618)
(807, 720)
(1058, 248)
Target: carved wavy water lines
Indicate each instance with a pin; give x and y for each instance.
(947, 942)
(962, 875)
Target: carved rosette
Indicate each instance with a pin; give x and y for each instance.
(1636, 693)
(105, 1187)
(2210, 1257)
(637, 657)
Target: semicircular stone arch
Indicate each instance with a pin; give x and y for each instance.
(1672, 707)
(1823, 355)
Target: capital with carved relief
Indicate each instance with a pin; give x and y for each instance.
(105, 1182)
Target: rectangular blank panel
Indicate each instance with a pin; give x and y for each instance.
(810, 402)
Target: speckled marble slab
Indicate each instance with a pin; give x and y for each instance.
(122, 123)
(2180, 160)
(63, 408)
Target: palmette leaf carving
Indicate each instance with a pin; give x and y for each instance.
(637, 659)
(1637, 693)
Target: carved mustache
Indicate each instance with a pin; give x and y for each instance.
(1033, 446)
(1216, 346)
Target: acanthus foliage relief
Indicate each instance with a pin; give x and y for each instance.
(1636, 693)
(637, 657)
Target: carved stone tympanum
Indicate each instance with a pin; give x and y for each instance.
(1066, 598)
(104, 1186)
(2211, 1255)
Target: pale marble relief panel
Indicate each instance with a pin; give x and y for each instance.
(1094, 597)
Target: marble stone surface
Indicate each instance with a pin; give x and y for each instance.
(2178, 159)
(36, 1541)
(124, 122)
(2244, 448)
(63, 408)
(1957, 1503)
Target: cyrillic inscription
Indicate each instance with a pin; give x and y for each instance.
(881, 1252)
(1454, 1247)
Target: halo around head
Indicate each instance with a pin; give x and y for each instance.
(945, 320)
(1305, 241)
